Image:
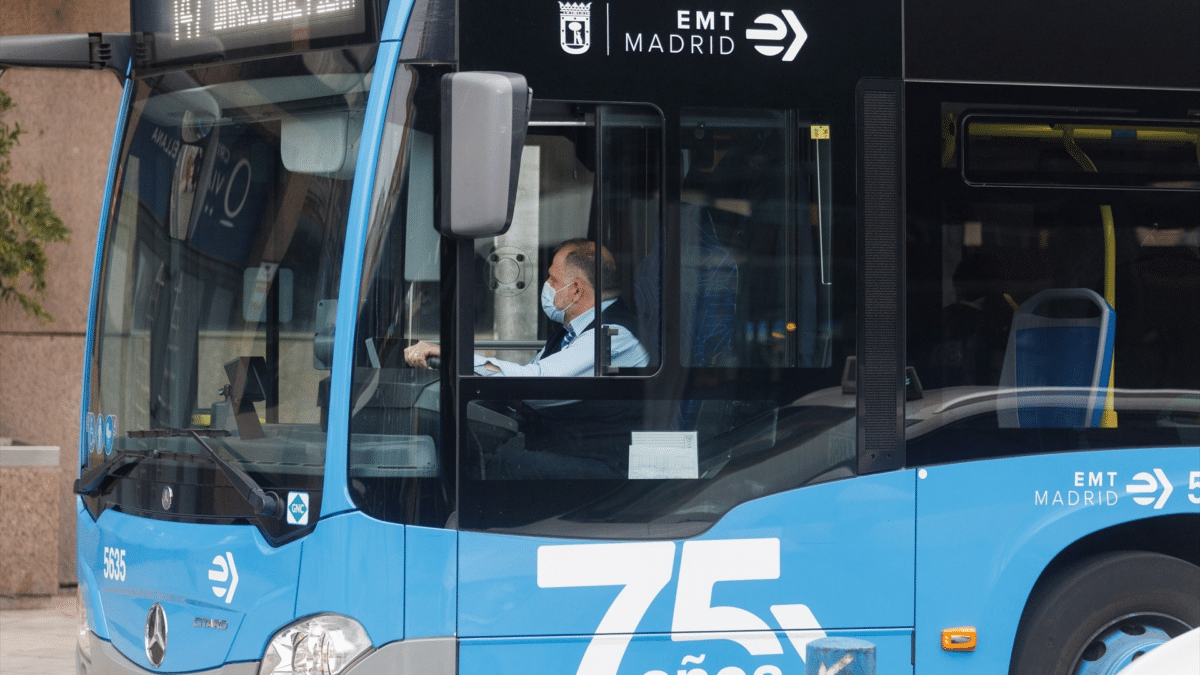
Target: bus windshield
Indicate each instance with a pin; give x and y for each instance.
(219, 284)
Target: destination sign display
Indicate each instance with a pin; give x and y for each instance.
(186, 30)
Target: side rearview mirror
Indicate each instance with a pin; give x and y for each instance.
(484, 118)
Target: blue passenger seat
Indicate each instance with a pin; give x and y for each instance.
(1057, 362)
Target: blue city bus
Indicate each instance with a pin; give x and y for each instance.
(913, 282)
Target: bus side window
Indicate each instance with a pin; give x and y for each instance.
(734, 299)
(754, 268)
(396, 466)
(561, 197)
(1062, 320)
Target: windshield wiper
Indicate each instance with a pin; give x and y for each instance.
(262, 502)
(88, 484)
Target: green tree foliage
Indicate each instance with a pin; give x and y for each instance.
(26, 222)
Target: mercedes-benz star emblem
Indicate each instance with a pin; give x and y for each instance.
(156, 635)
(167, 495)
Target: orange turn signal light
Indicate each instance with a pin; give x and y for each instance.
(960, 639)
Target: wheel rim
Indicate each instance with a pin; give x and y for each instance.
(1120, 642)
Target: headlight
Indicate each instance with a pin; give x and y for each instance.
(319, 645)
(82, 639)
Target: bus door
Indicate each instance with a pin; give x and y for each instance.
(636, 511)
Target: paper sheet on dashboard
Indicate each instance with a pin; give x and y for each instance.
(663, 454)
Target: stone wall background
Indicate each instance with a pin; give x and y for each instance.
(69, 118)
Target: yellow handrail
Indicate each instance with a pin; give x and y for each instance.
(1108, 419)
(1090, 133)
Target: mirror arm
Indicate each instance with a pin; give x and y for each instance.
(84, 51)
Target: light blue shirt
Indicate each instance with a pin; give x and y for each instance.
(578, 357)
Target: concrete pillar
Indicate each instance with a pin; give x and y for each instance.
(29, 511)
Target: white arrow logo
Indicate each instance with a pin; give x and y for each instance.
(776, 32)
(1149, 486)
(224, 572)
(837, 667)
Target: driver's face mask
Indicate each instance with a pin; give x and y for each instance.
(548, 296)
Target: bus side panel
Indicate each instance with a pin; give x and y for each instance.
(430, 582)
(831, 557)
(986, 530)
(354, 565)
(87, 542)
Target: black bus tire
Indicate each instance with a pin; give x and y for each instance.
(1070, 621)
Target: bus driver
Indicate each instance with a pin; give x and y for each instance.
(568, 298)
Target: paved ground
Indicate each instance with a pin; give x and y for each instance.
(39, 641)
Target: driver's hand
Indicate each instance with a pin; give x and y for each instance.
(417, 355)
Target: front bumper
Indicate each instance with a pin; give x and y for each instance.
(106, 660)
(430, 656)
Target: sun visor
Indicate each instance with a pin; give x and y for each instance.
(323, 145)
